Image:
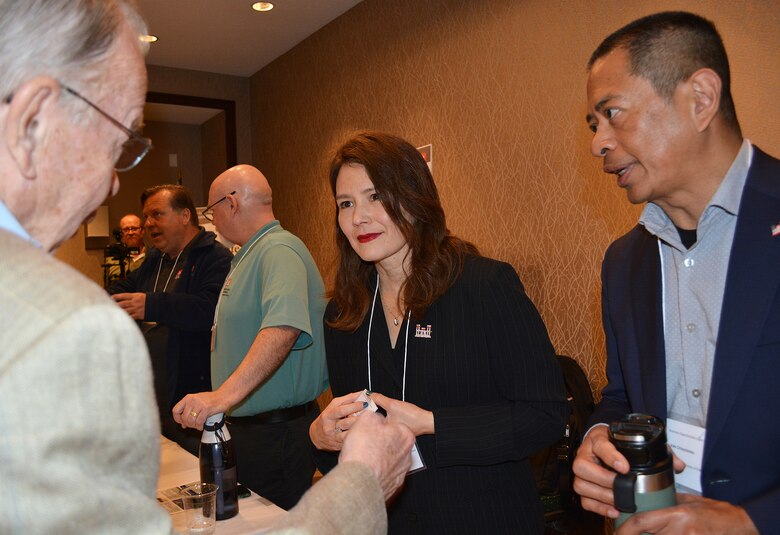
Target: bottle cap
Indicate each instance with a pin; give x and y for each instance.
(215, 419)
(641, 439)
(215, 429)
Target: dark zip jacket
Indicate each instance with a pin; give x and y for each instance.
(188, 311)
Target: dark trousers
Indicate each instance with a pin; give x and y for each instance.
(157, 342)
(274, 460)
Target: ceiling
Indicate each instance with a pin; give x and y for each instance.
(228, 36)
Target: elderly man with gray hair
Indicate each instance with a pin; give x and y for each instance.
(80, 429)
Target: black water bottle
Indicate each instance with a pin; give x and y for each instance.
(218, 464)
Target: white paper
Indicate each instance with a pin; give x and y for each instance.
(365, 398)
(687, 442)
(417, 462)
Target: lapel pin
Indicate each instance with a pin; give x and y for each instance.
(775, 230)
(422, 332)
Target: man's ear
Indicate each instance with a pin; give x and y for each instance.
(26, 122)
(706, 85)
(184, 214)
(233, 203)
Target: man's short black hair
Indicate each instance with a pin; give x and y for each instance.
(667, 48)
(180, 199)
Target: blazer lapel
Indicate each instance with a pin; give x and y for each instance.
(751, 284)
(648, 325)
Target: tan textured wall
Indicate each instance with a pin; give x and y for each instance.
(498, 88)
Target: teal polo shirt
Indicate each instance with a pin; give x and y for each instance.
(273, 282)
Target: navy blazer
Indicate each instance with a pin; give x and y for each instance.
(741, 461)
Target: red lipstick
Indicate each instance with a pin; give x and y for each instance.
(364, 238)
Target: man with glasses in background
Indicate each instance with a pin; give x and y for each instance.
(80, 430)
(131, 235)
(174, 294)
(133, 238)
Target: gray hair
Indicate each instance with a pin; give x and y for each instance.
(64, 39)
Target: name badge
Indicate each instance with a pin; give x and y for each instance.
(687, 442)
(417, 461)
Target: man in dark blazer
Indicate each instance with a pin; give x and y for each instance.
(174, 294)
(690, 299)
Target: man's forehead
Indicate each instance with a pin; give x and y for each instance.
(128, 72)
(615, 64)
(609, 78)
(121, 87)
(161, 199)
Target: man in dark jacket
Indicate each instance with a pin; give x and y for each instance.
(174, 294)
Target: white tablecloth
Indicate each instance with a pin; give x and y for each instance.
(178, 467)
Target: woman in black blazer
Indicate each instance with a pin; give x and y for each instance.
(448, 342)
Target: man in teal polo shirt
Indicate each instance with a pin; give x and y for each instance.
(267, 354)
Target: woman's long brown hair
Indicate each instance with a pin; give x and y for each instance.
(409, 196)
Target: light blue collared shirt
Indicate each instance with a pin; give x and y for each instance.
(11, 224)
(694, 281)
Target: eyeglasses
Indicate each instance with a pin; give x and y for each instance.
(136, 146)
(208, 212)
(128, 230)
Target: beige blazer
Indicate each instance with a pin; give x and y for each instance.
(80, 431)
(347, 501)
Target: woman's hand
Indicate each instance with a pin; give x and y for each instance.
(418, 420)
(328, 430)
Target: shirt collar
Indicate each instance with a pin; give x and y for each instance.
(11, 224)
(727, 197)
(729, 193)
(257, 235)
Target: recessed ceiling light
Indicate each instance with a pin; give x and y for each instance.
(262, 6)
(148, 38)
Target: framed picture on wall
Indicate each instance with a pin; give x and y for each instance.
(97, 233)
(427, 154)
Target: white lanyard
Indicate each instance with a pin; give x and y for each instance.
(157, 279)
(227, 279)
(663, 286)
(368, 343)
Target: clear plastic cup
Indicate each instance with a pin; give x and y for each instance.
(199, 501)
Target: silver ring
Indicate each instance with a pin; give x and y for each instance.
(338, 428)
